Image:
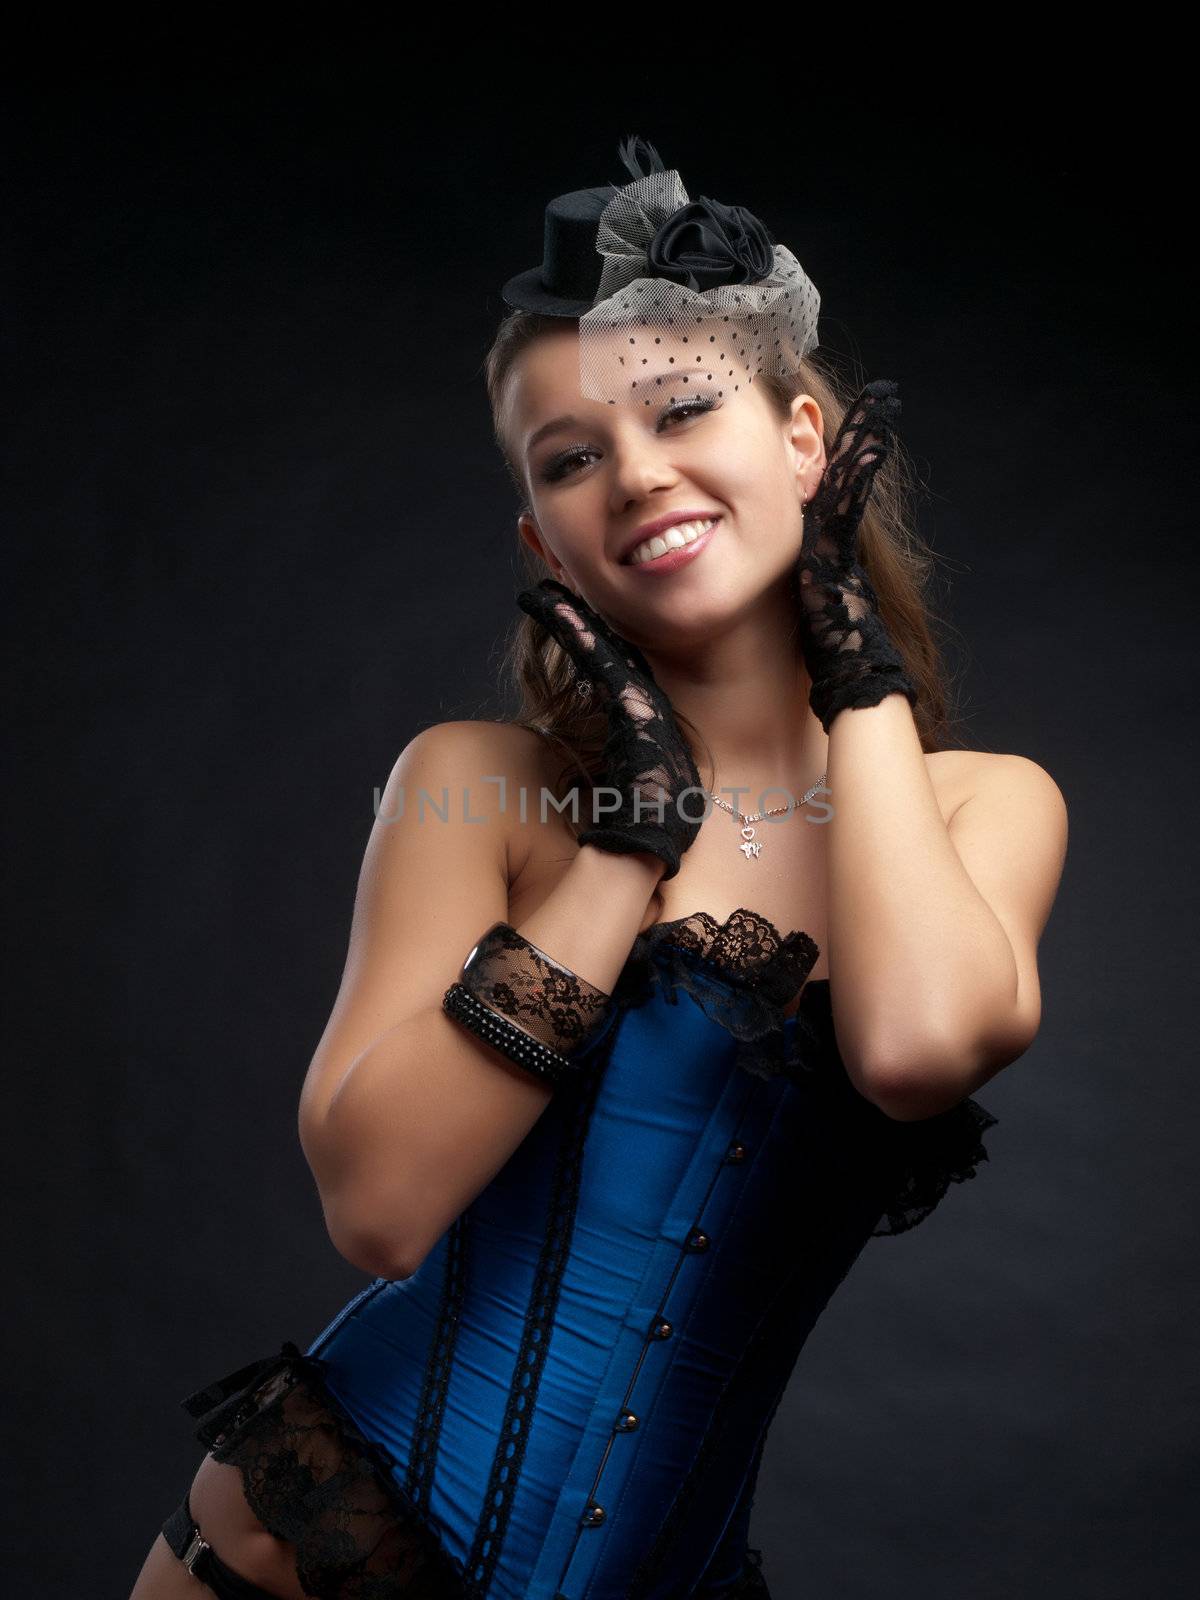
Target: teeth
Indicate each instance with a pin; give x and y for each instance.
(674, 539)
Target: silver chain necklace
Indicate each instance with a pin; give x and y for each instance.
(750, 847)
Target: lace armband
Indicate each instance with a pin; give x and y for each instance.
(523, 1003)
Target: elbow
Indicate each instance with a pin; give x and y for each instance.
(359, 1220)
(911, 1078)
(909, 1101)
(356, 1235)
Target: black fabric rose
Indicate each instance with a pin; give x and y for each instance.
(705, 244)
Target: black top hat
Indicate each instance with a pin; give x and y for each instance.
(697, 258)
(564, 284)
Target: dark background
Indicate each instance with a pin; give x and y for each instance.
(258, 535)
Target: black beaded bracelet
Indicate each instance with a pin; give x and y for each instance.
(505, 1036)
(526, 1004)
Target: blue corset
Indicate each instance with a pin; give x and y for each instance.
(573, 1391)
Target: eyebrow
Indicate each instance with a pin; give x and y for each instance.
(569, 421)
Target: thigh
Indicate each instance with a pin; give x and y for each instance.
(227, 1523)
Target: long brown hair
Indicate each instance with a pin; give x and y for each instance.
(898, 563)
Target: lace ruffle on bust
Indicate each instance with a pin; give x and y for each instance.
(743, 972)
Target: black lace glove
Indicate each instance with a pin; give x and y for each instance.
(850, 655)
(646, 758)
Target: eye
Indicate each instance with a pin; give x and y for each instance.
(686, 408)
(562, 465)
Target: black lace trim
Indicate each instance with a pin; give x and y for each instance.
(313, 1480)
(535, 1339)
(931, 1155)
(427, 1435)
(742, 973)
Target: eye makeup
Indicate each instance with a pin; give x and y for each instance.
(559, 466)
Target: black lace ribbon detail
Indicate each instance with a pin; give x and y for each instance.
(315, 1481)
(743, 973)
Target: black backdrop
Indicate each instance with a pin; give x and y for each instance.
(258, 535)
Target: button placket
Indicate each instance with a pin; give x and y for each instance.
(697, 1241)
(661, 1329)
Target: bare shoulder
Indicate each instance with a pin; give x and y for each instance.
(505, 749)
(516, 753)
(961, 775)
(502, 768)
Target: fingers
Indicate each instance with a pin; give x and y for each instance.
(865, 435)
(586, 637)
(582, 632)
(861, 446)
(637, 702)
(558, 611)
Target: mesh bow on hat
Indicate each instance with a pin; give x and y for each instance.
(667, 288)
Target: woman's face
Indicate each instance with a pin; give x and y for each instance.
(701, 447)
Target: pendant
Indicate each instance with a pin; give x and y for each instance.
(750, 851)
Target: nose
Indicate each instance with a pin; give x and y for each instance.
(640, 467)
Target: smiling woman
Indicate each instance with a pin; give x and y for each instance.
(608, 1106)
(564, 520)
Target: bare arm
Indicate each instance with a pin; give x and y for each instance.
(934, 926)
(405, 1116)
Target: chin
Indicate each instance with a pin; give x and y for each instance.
(695, 617)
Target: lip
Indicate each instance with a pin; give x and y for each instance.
(660, 525)
(673, 559)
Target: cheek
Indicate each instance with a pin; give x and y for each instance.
(563, 552)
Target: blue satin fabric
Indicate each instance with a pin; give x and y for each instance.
(784, 1224)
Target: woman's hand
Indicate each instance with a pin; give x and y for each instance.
(850, 655)
(646, 758)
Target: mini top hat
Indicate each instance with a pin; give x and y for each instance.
(653, 276)
(565, 282)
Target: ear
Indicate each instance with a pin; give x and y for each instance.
(528, 530)
(806, 434)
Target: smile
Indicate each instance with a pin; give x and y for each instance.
(674, 548)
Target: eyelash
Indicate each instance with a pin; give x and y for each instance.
(556, 468)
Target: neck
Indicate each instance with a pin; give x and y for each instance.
(746, 693)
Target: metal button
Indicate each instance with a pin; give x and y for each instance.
(626, 1422)
(661, 1330)
(736, 1152)
(593, 1516)
(698, 1241)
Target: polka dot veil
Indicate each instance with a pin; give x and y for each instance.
(693, 296)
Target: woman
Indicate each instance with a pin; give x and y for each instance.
(608, 1176)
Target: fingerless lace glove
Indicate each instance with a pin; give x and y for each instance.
(525, 1004)
(850, 655)
(646, 758)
